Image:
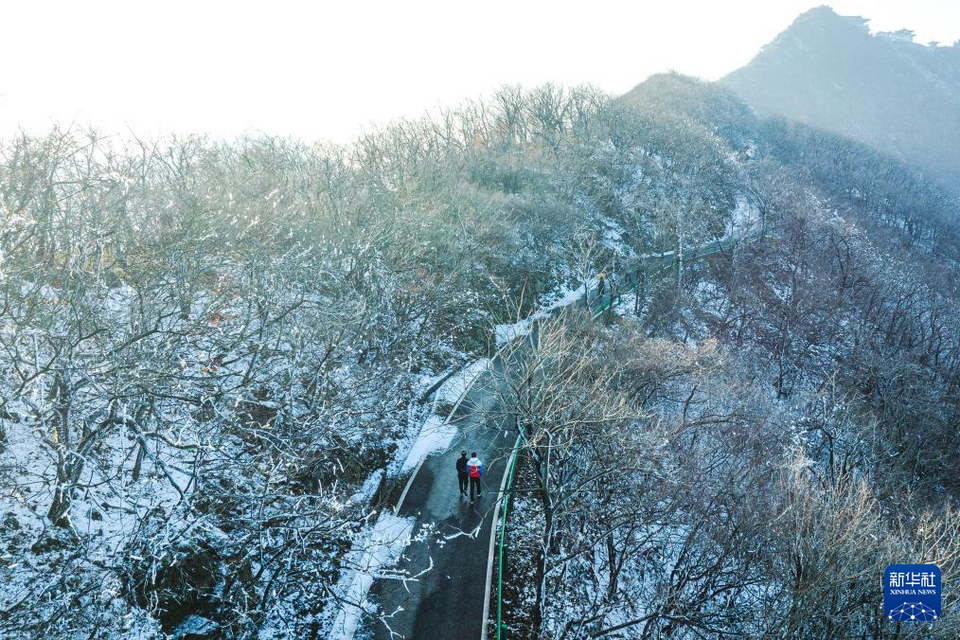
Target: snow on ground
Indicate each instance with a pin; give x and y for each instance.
(625, 307)
(612, 237)
(665, 254)
(437, 433)
(508, 332)
(711, 296)
(367, 489)
(744, 217)
(563, 297)
(22, 466)
(375, 549)
(451, 390)
(380, 546)
(104, 517)
(428, 380)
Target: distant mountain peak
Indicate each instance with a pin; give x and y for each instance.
(825, 12)
(882, 89)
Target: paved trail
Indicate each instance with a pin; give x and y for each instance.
(447, 601)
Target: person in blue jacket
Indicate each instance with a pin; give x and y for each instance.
(475, 471)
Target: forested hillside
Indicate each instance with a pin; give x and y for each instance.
(213, 357)
(885, 90)
(748, 453)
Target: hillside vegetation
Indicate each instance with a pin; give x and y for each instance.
(212, 357)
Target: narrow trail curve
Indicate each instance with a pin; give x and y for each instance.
(451, 535)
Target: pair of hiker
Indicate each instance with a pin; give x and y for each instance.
(469, 471)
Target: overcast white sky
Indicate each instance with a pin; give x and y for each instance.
(329, 70)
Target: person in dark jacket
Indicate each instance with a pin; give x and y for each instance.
(475, 471)
(462, 477)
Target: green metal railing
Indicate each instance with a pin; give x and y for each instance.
(696, 253)
(502, 545)
(614, 296)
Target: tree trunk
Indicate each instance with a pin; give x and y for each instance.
(59, 512)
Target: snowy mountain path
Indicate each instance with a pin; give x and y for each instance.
(452, 536)
(449, 551)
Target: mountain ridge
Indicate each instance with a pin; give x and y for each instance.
(829, 71)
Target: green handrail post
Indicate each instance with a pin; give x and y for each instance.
(502, 544)
(503, 547)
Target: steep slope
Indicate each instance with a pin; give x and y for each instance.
(762, 416)
(885, 90)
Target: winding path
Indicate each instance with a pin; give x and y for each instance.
(451, 546)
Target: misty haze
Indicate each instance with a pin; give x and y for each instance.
(492, 347)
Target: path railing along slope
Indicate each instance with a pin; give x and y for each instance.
(448, 600)
(650, 266)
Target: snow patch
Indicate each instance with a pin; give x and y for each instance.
(743, 219)
(435, 434)
(457, 385)
(374, 550)
(508, 332)
(564, 298)
(665, 254)
(367, 489)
